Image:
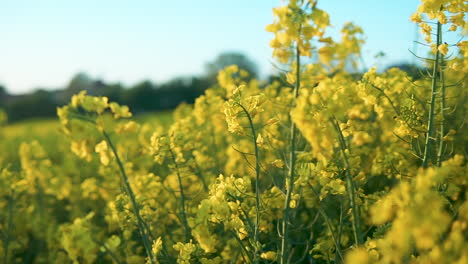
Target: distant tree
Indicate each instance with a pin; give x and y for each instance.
(141, 97)
(40, 103)
(3, 95)
(413, 70)
(2, 90)
(3, 117)
(199, 85)
(112, 91)
(181, 89)
(229, 58)
(80, 81)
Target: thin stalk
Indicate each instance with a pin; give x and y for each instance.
(257, 185)
(40, 209)
(6, 242)
(182, 199)
(199, 174)
(332, 232)
(215, 147)
(430, 125)
(292, 163)
(442, 112)
(395, 108)
(109, 251)
(336, 240)
(246, 253)
(142, 226)
(356, 223)
(340, 231)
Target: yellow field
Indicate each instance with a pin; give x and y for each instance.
(317, 167)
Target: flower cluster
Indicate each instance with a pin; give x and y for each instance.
(319, 165)
(294, 24)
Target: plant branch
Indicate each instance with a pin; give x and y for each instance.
(142, 226)
(257, 184)
(430, 126)
(289, 183)
(182, 199)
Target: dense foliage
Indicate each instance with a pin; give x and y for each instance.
(316, 168)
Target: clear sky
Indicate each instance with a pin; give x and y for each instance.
(43, 43)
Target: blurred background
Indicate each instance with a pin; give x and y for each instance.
(152, 55)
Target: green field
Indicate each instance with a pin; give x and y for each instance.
(49, 134)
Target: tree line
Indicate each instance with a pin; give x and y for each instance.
(145, 96)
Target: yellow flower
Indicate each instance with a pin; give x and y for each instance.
(269, 255)
(453, 27)
(416, 18)
(309, 32)
(128, 127)
(225, 78)
(62, 113)
(443, 49)
(273, 27)
(281, 11)
(291, 77)
(185, 252)
(216, 260)
(278, 163)
(156, 248)
(77, 240)
(78, 99)
(242, 233)
(259, 140)
(119, 111)
(103, 151)
(426, 31)
(458, 19)
(442, 18)
(358, 255)
(284, 38)
(360, 138)
(327, 40)
(321, 18)
(81, 149)
(325, 54)
(337, 186)
(113, 242)
(293, 204)
(271, 121)
(94, 104)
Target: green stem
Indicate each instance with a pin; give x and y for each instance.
(182, 199)
(142, 226)
(109, 251)
(430, 125)
(356, 223)
(257, 186)
(6, 242)
(340, 232)
(322, 212)
(442, 111)
(199, 174)
(289, 183)
(40, 209)
(243, 248)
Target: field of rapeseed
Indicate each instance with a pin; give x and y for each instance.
(317, 167)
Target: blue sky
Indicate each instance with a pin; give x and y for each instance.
(43, 43)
